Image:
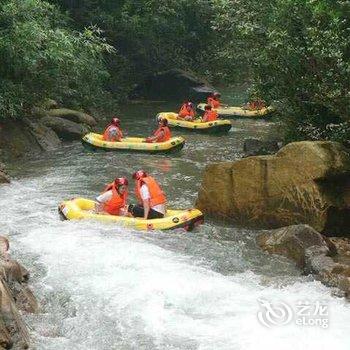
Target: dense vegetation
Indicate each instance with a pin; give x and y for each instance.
(149, 35)
(296, 52)
(40, 57)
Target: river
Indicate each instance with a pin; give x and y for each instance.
(103, 287)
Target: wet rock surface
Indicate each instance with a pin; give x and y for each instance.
(16, 297)
(74, 116)
(304, 182)
(44, 136)
(42, 130)
(65, 129)
(327, 258)
(4, 177)
(292, 242)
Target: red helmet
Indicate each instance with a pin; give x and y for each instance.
(115, 121)
(121, 181)
(139, 174)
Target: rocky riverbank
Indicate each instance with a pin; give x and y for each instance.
(43, 130)
(4, 177)
(327, 258)
(16, 299)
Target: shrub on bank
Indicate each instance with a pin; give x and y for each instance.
(41, 56)
(297, 52)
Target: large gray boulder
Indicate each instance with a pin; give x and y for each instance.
(293, 242)
(328, 259)
(304, 182)
(173, 84)
(20, 137)
(72, 115)
(16, 139)
(44, 136)
(65, 129)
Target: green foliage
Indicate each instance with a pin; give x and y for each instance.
(297, 52)
(150, 35)
(40, 57)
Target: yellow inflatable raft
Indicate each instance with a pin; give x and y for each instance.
(238, 111)
(81, 208)
(136, 144)
(216, 127)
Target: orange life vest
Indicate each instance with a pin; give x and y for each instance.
(166, 134)
(210, 116)
(256, 105)
(156, 193)
(213, 103)
(117, 137)
(184, 111)
(117, 201)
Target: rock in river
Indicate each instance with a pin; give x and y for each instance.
(15, 295)
(74, 116)
(304, 182)
(173, 84)
(65, 129)
(328, 259)
(4, 178)
(293, 242)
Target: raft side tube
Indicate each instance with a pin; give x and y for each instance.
(238, 112)
(81, 208)
(93, 141)
(218, 126)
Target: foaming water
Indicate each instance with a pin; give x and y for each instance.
(106, 287)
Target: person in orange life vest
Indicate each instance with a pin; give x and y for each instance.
(209, 114)
(187, 111)
(152, 200)
(214, 100)
(114, 197)
(255, 104)
(163, 132)
(113, 132)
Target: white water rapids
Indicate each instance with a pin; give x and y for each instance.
(102, 287)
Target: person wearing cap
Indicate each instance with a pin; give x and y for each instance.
(209, 114)
(187, 111)
(113, 199)
(152, 200)
(162, 134)
(113, 132)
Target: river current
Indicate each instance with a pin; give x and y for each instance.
(104, 287)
